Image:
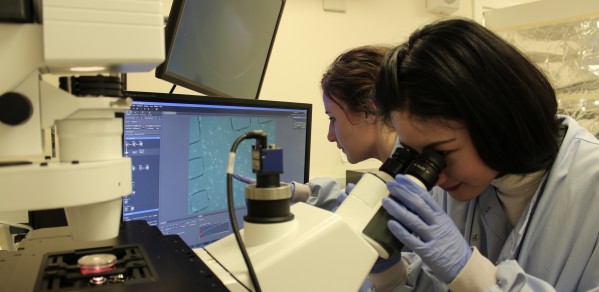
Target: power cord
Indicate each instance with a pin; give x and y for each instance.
(231, 205)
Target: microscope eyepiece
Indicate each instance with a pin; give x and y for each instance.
(422, 168)
(427, 167)
(399, 162)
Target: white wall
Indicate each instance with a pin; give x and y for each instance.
(308, 39)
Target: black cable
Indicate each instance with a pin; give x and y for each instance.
(231, 207)
(172, 89)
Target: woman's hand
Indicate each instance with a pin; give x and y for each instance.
(421, 225)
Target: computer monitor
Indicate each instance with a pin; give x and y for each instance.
(179, 146)
(220, 47)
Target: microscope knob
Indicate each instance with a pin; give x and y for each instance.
(15, 108)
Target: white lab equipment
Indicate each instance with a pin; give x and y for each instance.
(309, 249)
(75, 37)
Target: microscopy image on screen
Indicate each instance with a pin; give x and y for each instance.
(210, 140)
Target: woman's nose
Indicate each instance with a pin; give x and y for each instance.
(331, 135)
(442, 179)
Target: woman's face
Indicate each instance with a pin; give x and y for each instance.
(465, 176)
(353, 132)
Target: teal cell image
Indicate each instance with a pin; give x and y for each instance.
(210, 141)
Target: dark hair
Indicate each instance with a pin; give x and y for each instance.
(351, 78)
(457, 70)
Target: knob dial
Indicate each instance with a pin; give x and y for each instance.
(15, 108)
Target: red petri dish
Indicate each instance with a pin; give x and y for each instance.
(96, 263)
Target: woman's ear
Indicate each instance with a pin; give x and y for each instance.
(371, 118)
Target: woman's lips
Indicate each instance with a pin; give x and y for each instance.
(453, 188)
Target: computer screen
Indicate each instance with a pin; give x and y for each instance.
(179, 146)
(220, 47)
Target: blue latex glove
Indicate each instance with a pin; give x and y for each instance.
(348, 188)
(344, 193)
(250, 180)
(426, 229)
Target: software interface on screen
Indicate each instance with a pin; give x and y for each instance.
(179, 156)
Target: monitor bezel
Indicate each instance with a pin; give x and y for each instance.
(231, 101)
(171, 29)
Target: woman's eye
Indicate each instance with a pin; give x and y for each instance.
(442, 153)
(332, 119)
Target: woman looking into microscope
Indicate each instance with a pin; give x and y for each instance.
(516, 207)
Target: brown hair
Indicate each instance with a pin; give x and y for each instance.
(351, 78)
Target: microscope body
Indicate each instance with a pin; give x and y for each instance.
(316, 251)
(89, 175)
(291, 247)
(319, 250)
